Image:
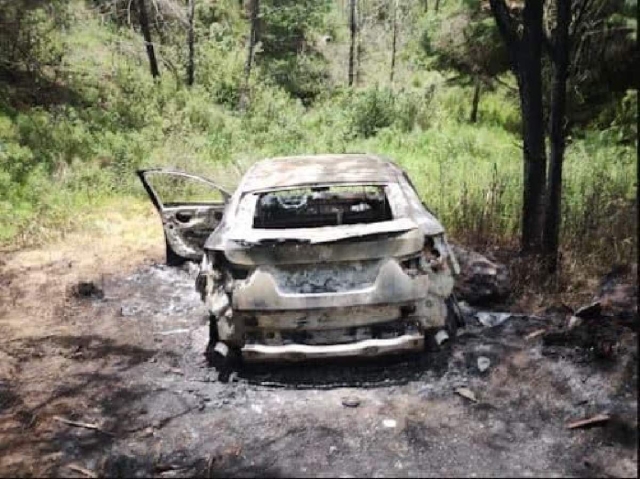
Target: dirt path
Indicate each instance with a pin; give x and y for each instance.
(130, 364)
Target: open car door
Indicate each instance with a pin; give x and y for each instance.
(190, 207)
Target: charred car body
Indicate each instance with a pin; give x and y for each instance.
(315, 256)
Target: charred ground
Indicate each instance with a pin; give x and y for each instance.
(125, 357)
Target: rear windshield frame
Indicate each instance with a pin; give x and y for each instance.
(346, 216)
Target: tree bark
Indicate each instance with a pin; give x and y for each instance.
(437, 7)
(352, 47)
(190, 44)
(253, 39)
(476, 101)
(561, 48)
(535, 160)
(395, 40)
(525, 53)
(146, 33)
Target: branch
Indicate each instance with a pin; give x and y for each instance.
(505, 22)
(578, 18)
(504, 84)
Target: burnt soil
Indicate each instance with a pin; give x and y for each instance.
(126, 358)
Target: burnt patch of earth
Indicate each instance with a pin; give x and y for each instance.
(130, 370)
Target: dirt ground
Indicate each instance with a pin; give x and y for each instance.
(112, 382)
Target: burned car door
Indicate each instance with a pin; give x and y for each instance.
(190, 208)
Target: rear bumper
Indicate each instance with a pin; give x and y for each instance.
(301, 352)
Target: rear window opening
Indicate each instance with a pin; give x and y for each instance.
(318, 206)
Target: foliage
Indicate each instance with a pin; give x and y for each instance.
(31, 35)
(63, 157)
(469, 43)
(287, 54)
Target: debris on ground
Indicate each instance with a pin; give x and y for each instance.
(85, 425)
(172, 331)
(589, 311)
(574, 322)
(350, 401)
(466, 393)
(535, 334)
(441, 336)
(618, 291)
(87, 289)
(481, 281)
(82, 470)
(483, 363)
(489, 320)
(389, 423)
(558, 311)
(465, 309)
(172, 418)
(597, 419)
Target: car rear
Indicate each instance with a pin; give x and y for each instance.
(324, 270)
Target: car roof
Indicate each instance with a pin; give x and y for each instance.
(286, 171)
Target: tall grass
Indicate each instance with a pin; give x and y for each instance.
(57, 162)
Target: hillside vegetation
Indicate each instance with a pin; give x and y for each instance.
(80, 112)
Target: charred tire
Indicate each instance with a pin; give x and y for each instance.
(172, 258)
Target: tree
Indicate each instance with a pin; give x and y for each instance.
(469, 43)
(590, 47)
(560, 48)
(253, 39)
(394, 41)
(525, 53)
(289, 54)
(30, 40)
(353, 29)
(190, 42)
(146, 33)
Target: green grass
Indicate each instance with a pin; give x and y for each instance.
(61, 161)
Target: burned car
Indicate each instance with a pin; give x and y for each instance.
(315, 256)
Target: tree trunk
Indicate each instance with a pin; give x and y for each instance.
(560, 59)
(352, 47)
(535, 160)
(253, 34)
(476, 101)
(146, 33)
(525, 53)
(190, 44)
(395, 39)
(437, 7)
